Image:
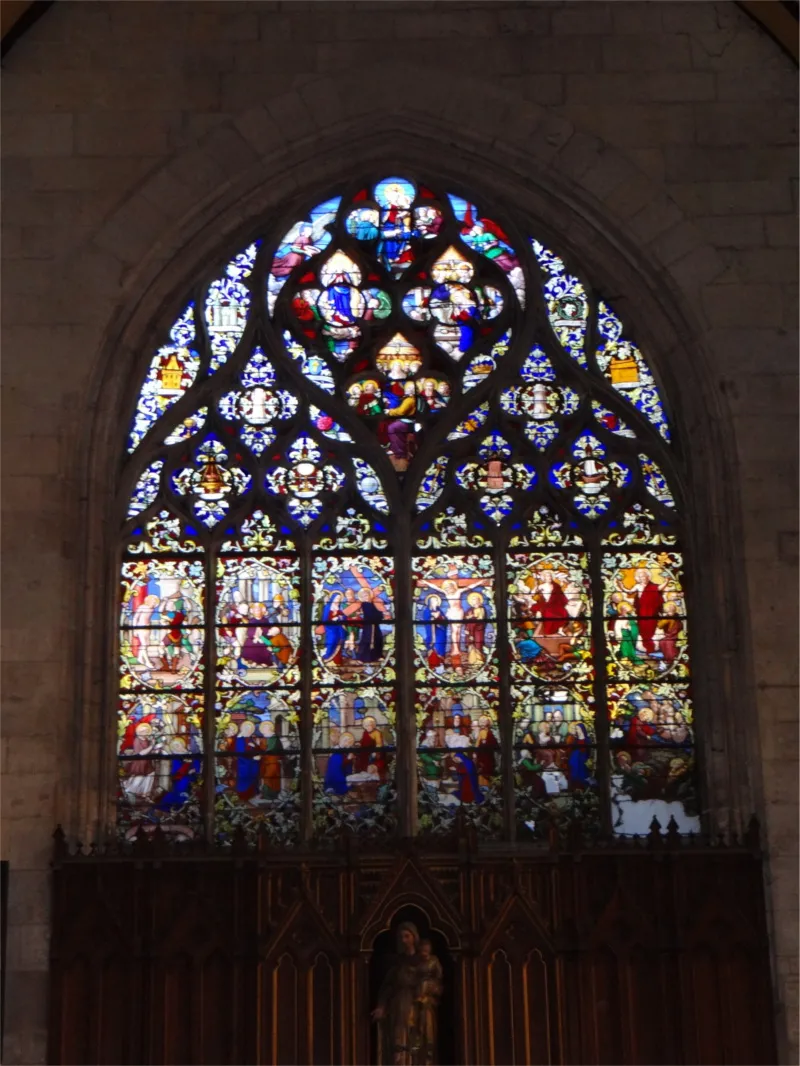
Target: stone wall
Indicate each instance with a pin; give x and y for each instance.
(656, 140)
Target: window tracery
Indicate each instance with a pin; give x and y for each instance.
(412, 549)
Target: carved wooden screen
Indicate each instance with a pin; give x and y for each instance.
(401, 542)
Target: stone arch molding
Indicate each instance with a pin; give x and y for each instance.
(586, 197)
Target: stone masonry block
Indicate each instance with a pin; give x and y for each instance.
(541, 88)
(630, 196)
(357, 24)
(635, 125)
(97, 268)
(23, 492)
(781, 820)
(655, 217)
(697, 268)
(745, 306)
(673, 244)
(765, 393)
(782, 230)
(31, 277)
(634, 17)
(642, 86)
(24, 1045)
(606, 175)
(582, 18)
(757, 84)
(242, 89)
(38, 135)
(749, 123)
(240, 26)
(27, 1001)
(189, 175)
(140, 134)
(28, 947)
(560, 55)
(26, 717)
(28, 794)
(744, 231)
(28, 897)
(550, 135)
(478, 22)
(579, 154)
(11, 241)
(649, 160)
(133, 230)
(770, 265)
(747, 350)
(524, 20)
(736, 48)
(647, 53)
(292, 116)
(732, 197)
(34, 455)
(85, 174)
(322, 100)
(16, 178)
(689, 16)
(261, 130)
(51, 55)
(779, 740)
(229, 150)
(55, 242)
(33, 347)
(688, 163)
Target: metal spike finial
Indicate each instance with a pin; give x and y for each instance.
(60, 848)
(654, 839)
(752, 834)
(673, 832)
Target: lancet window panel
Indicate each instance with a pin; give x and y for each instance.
(402, 542)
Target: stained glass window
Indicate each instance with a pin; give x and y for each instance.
(402, 543)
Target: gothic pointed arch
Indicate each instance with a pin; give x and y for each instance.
(402, 506)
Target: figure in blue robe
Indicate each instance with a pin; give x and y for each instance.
(364, 228)
(335, 633)
(336, 773)
(247, 769)
(435, 632)
(468, 790)
(393, 248)
(182, 775)
(528, 649)
(579, 757)
(341, 302)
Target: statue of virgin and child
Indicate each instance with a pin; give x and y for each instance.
(408, 1002)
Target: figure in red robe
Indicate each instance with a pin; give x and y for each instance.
(640, 731)
(484, 757)
(551, 604)
(648, 602)
(371, 740)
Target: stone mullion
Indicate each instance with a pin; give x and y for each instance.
(505, 709)
(405, 721)
(209, 690)
(599, 659)
(306, 728)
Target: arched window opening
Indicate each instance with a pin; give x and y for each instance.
(403, 542)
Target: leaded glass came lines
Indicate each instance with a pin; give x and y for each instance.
(401, 538)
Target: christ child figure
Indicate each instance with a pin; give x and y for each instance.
(429, 991)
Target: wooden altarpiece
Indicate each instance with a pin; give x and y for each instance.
(652, 951)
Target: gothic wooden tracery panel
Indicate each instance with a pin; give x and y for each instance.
(403, 541)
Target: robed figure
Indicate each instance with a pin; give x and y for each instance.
(404, 1005)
